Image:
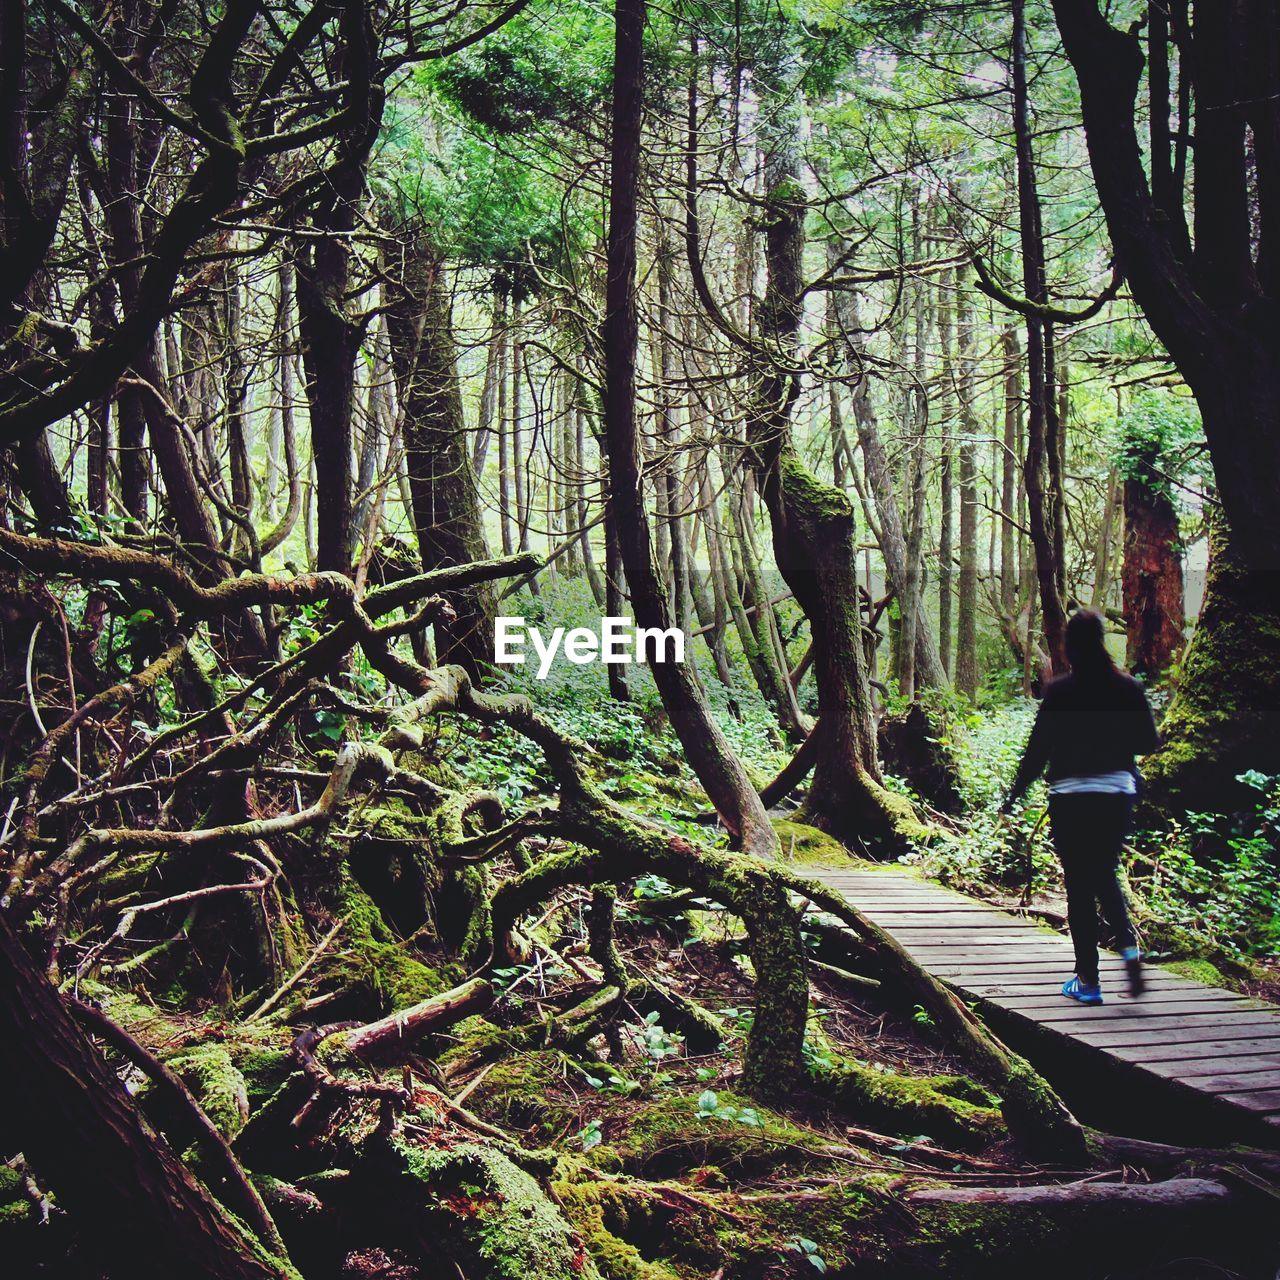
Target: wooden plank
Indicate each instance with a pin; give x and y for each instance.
(1109, 1031)
(1041, 997)
(1229, 1084)
(947, 924)
(1259, 1100)
(1049, 977)
(1170, 1014)
(936, 941)
(1156, 1048)
(1262, 1064)
(1224, 1080)
(1006, 954)
(917, 921)
(898, 912)
(1158, 1045)
(993, 969)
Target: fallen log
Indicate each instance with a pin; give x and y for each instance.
(392, 1037)
(1176, 1193)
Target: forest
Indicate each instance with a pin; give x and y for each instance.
(843, 350)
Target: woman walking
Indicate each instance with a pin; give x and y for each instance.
(1090, 726)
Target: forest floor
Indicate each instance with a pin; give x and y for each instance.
(578, 1122)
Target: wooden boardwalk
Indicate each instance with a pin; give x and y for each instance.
(1180, 1034)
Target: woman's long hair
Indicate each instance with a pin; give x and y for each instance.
(1086, 646)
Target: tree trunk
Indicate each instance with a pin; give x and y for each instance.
(330, 340)
(282, 337)
(710, 755)
(966, 668)
(1038, 467)
(446, 503)
(330, 333)
(598, 591)
(813, 543)
(615, 592)
(127, 1192)
(1222, 720)
(1009, 576)
(770, 656)
(1214, 308)
(916, 421)
(892, 537)
(492, 396)
(946, 543)
(1106, 537)
(1151, 577)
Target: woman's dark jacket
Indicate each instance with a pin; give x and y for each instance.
(1087, 725)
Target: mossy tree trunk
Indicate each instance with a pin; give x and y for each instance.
(130, 1194)
(813, 542)
(1209, 289)
(1222, 719)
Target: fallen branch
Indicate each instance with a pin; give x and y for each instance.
(391, 1038)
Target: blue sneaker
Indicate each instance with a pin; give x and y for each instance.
(1076, 990)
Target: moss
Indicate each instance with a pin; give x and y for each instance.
(962, 1239)
(807, 846)
(373, 958)
(608, 1218)
(949, 1109)
(488, 1213)
(850, 1223)
(218, 1086)
(644, 788)
(1218, 724)
(139, 1018)
(521, 1092)
(669, 1136)
(15, 1204)
(902, 815)
(1203, 971)
(265, 1067)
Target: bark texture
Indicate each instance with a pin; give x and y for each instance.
(442, 480)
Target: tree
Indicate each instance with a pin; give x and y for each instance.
(1210, 290)
(442, 483)
(1151, 574)
(709, 753)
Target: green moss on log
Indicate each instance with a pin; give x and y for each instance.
(372, 957)
(610, 1217)
(219, 1087)
(477, 1205)
(669, 1136)
(522, 1092)
(951, 1110)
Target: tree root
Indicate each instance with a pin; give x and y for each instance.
(1034, 1113)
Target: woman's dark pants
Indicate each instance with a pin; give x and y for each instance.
(1088, 831)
